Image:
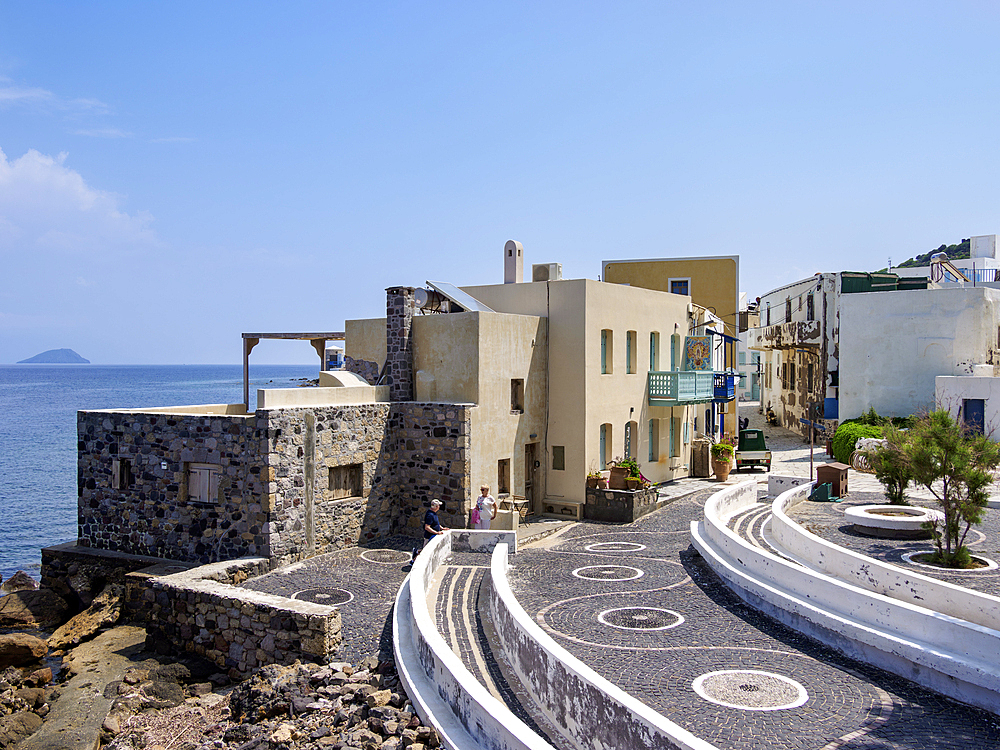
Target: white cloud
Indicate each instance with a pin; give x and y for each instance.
(104, 133)
(174, 139)
(20, 94)
(46, 207)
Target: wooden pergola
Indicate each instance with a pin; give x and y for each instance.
(318, 340)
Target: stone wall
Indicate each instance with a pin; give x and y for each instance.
(203, 612)
(619, 506)
(149, 513)
(399, 307)
(276, 495)
(303, 446)
(432, 461)
(363, 367)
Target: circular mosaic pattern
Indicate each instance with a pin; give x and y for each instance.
(615, 547)
(989, 564)
(386, 556)
(329, 597)
(750, 690)
(608, 573)
(640, 618)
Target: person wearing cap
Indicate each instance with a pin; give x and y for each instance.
(432, 526)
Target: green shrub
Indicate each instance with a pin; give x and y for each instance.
(847, 435)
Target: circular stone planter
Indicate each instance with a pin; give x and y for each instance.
(988, 565)
(892, 521)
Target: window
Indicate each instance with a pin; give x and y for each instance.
(973, 415)
(631, 439)
(784, 374)
(503, 476)
(788, 309)
(631, 354)
(810, 308)
(743, 358)
(675, 437)
(607, 351)
(605, 449)
(675, 347)
(654, 440)
(121, 474)
(203, 482)
(517, 395)
(768, 313)
(559, 458)
(654, 351)
(680, 286)
(809, 378)
(791, 376)
(346, 481)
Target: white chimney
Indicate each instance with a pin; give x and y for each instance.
(513, 262)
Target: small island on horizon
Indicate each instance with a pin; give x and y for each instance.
(56, 357)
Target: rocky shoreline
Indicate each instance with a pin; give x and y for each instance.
(118, 688)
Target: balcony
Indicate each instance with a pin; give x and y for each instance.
(724, 386)
(678, 388)
(797, 335)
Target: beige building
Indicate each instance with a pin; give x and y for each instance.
(566, 376)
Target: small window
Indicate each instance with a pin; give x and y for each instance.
(675, 437)
(517, 395)
(559, 458)
(631, 439)
(810, 308)
(503, 476)
(346, 481)
(784, 374)
(680, 286)
(121, 474)
(203, 483)
(791, 375)
(654, 351)
(809, 377)
(654, 440)
(768, 313)
(631, 346)
(675, 349)
(605, 449)
(607, 351)
(743, 358)
(788, 309)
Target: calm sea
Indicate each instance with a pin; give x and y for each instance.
(38, 406)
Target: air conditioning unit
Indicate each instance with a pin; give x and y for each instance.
(546, 271)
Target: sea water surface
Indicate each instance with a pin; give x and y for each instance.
(38, 406)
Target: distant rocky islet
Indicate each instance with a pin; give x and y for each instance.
(56, 357)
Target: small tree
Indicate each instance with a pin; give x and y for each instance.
(957, 467)
(890, 466)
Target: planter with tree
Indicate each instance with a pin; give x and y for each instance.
(722, 459)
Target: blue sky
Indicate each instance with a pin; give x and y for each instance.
(174, 174)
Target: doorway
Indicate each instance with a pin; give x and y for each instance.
(530, 474)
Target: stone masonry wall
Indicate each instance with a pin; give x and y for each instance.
(151, 514)
(365, 368)
(303, 445)
(399, 307)
(432, 458)
(202, 611)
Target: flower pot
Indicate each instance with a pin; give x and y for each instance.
(633, 484)
(721, 468)
(602, 483)
(592, 483)
(617, 479)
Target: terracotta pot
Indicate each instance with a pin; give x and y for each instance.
(602, 483)
(592, 483)
(721, 468)
(617, 480)
(633, 484)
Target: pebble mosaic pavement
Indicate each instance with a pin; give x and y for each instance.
(849, 705)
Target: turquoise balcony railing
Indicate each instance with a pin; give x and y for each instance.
(680, 387)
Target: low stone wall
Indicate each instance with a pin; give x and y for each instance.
(204, 611)
(619, 506)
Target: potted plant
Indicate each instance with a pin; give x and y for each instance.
(722, 459)
(632, 477)
(593, 477)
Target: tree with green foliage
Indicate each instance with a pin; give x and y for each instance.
(957, 467)
(890, 466)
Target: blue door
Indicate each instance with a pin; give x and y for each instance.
(974, 415)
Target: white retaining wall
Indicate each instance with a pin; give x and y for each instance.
(875, 575)
(589, 710)
(938, 651)
(444, 692)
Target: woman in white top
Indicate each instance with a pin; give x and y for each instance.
(487, 508)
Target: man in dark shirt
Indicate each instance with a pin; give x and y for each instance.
(432, 526)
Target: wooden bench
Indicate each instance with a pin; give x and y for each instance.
(563, 509)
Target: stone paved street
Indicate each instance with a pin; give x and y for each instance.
(637, 604)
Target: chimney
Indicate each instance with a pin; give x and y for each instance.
(399, 306)
(513, 262)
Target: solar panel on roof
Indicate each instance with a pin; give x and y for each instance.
(460, 298)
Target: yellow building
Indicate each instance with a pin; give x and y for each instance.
(711, 282)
